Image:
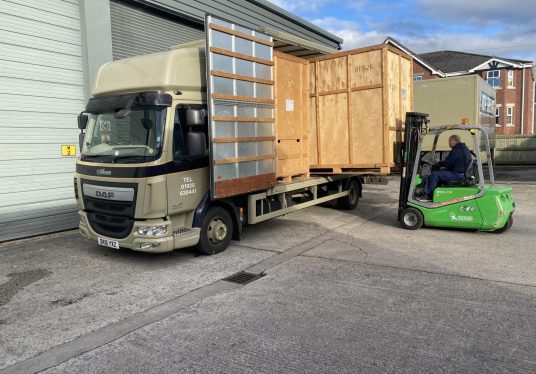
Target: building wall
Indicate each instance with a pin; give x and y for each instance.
(41, 93)
(513, 96)
(419, 69)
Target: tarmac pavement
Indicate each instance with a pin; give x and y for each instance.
(342, 292)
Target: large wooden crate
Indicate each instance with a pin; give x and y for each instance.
(358, 100)
(291, 115)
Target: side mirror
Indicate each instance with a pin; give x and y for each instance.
(81, 141)
(195, 117)
(196, 144)
(82, 121)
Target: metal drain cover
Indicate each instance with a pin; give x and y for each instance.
(243, 277)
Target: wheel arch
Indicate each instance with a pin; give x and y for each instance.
(234, 211)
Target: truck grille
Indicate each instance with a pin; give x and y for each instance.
(111, 218)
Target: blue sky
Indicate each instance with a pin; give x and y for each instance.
(490, 27)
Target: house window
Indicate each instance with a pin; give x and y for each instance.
(494, 78)
(510, 115)
(417, 77)
(510, 78)
(497, 114)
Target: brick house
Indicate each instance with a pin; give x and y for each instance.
(513, 79)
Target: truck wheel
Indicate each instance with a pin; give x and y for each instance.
(507, 225)
(411, 219)
(216, 231)
(350, 201)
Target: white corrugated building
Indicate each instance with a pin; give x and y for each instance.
(50, 51)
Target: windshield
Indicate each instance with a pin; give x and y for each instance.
(124, 137)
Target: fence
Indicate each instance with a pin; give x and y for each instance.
(515, 150)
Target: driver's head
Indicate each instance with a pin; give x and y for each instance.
(453, 140)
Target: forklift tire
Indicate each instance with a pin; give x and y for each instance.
(411, 219)
(350, 201)
(507, 225)
(216, 231)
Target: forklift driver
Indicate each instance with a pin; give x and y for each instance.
(451, 169)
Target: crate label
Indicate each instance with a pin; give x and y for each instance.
(363, 68)
(289, 105)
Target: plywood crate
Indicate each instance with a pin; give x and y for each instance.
(292, 116)
(358, 100)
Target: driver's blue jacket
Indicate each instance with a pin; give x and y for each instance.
(458, 159)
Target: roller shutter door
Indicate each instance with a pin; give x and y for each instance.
(138, 31)
(41, 93)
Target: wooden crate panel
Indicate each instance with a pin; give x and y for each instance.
(367, 134)
(313, 140)
(289, 148)
(289, 158)
(333, 134)
(358, 110)
(406, 84)
(291, 167)
(366, 69)
(331, 75)
(292, 114)
(312, 78)
(289, 97)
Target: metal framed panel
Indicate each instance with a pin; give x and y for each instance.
(138, 31)
(241, 108)
(41, 92)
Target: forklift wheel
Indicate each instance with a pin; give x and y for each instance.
(411, 219)
(506, 226)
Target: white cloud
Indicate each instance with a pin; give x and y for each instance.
(451, 25)
(480, 12)
(509, 43)
(301, 6)
(350, 32)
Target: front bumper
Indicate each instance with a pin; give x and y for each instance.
(134, 241)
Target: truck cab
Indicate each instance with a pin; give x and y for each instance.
(143, 166)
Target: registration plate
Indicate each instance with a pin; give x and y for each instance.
(108, 243)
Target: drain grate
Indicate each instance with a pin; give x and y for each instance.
(243, 278)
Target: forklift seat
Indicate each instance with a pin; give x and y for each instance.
(470, 176)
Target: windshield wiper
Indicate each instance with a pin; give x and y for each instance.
(130, 159)
(102, 158)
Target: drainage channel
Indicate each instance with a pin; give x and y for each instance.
(243, 277)
(107, 334)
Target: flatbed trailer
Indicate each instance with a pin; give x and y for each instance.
(177, 151)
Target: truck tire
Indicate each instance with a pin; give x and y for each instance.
(411, 219)
(350, 201)
(507, 225)
(216, 231)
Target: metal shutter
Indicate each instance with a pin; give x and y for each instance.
(136, 31)
(41, 92)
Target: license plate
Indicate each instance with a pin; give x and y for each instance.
(108, 243)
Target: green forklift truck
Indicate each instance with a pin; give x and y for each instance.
(473, 203)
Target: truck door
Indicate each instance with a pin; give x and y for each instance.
(241, 108)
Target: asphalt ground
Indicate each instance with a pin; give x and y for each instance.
(343, 292)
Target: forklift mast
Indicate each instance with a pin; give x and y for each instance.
(415, 123)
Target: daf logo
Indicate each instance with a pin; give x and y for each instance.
(108, 192)
(104, 172)
(104, 194)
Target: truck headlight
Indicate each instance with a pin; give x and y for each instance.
(152, 230)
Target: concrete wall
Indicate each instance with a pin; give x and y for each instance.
(515, 150)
